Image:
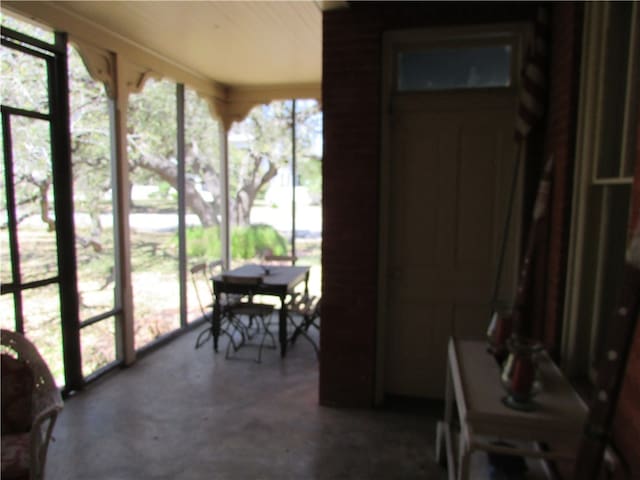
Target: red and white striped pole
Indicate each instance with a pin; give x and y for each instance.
(531, 102)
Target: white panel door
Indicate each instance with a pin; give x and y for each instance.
(451, 167)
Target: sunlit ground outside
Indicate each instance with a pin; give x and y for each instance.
(41, 306)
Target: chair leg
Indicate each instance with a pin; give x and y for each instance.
(265, 327)
(250, 326)
(238, 327)
(206, 333)
(311, 341)
(302, 329)
(229, 345)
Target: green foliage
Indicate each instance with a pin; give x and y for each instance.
(151, 133)
(165, 192)
(252, 241)
(310, 176)
(246, 242)
(262, 148)
(90, 140)
(203, 242)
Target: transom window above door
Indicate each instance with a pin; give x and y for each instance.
(454, 68)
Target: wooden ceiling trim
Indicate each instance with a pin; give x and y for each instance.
(86, 32)
(96, 44)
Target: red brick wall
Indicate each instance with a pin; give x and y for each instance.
(351, 95)
(351, 99)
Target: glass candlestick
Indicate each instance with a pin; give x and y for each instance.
(519, 375)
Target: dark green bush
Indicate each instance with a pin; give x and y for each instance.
(252, 241)
(246, 242)
(203, 242)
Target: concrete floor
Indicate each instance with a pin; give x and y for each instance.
(181, 413)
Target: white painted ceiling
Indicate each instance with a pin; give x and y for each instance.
(235, 43)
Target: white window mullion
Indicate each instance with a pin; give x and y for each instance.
(602, 179)
(631, 105)
(598, 80)
(598, 277)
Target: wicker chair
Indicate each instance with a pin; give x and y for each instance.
(24, 453)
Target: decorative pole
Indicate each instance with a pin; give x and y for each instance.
(531, 103)
(519, 370)
(540, 208)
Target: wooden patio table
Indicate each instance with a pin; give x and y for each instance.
(277, 281)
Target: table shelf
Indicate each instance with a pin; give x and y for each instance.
(474, 393)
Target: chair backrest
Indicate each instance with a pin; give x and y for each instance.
(201, 273)
(270, 258)
(198, 268)
(214, 267)
(316, 307)
(246, 280)
(198, 276)
(46, 399)
(44, 384)
(308, 306)
(242, 279)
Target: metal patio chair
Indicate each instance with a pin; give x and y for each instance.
(202, 273)
(248, 314)
(304, 313)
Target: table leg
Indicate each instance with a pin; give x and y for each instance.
(282, 326)
(215, 323)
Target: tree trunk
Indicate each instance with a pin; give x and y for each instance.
(44, 204)
(246, 196)
(242, 208)
(206, 212)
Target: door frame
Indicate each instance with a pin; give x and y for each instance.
(55, 56)
(394, 42)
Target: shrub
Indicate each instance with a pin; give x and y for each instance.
(246, 242)
(252, 241)
(203, 242)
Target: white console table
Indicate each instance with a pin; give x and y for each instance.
(473, 386)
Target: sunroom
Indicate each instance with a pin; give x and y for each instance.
(425, 218)
(166, 172)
